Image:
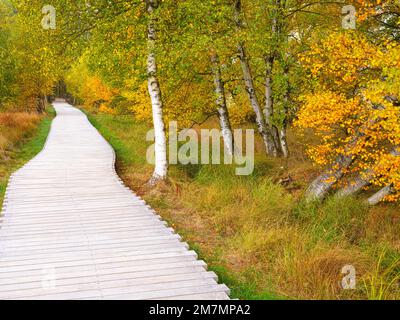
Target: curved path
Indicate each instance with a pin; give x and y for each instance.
(71, 230)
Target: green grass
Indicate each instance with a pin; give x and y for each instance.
(128, 153)
(25, 150)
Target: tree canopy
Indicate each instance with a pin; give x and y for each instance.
(274, 63)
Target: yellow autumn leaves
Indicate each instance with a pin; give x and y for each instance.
(351, 106)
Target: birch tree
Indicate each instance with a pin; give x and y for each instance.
(263, 129)
(161, 164)
(354, 109)
(222, 109)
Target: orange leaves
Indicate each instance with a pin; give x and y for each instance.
(339, 58)
(90, 88)
(94, 91)
(351, 105)
(370, 8)
(333, 119)
(324, 109)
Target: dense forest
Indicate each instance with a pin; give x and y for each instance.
(318, 81)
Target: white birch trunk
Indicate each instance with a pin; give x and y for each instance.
(356, 185)
(262, 127)
(380, 195)
(269, 102)
(283, 142)
(362, 181)
(320, 187)
(282, 132)
(222, 109)
(268, 110)
(160, 143)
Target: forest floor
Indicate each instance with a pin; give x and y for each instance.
(256, 233)
(22, 136)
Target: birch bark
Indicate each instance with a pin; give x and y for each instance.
(269, 101)
(250, 89)
(263, 129)
(222, 109)
(282, 132)
(160, 143)
(319, 188)
(380, 195)
(361, 182)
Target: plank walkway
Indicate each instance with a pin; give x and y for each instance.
(70, 229)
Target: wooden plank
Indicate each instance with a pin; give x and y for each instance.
(36, 288)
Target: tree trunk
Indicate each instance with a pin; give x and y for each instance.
(222, 109)
(269, 67)
(380, 195)
(250, 89)
(160, 143)
(269, 101)
(263, 129)
(283, 141)
(361, 182)
(41, 104)
(268, 110)
(319, 188)
(282, 132)
(45, 102)
(356, 185)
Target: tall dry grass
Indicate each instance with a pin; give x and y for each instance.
(14, 127)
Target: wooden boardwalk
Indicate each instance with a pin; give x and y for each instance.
(70, 229)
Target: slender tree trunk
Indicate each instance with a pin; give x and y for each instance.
(161, 164)
(269, 101)
(268, 110)
(250, 89)
(282, 132)
(265, 132)
(283, 141)
(45, 102)
(269, 66)
(222, 109)
(380, 195)
(38, 105)
(41, 104)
